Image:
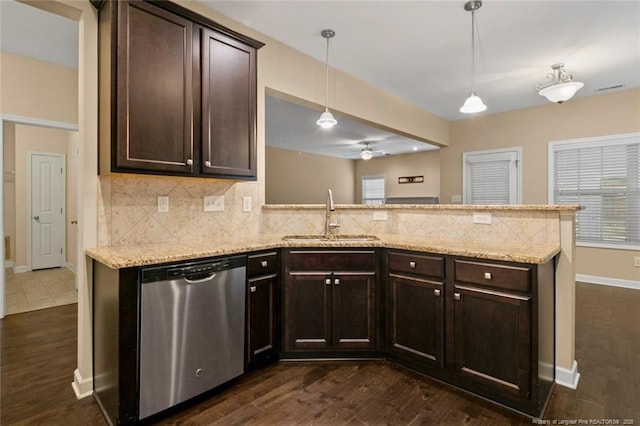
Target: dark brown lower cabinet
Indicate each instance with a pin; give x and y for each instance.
(262, 308)
(330, 309)
(416, 320)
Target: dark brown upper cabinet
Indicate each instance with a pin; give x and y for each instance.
(177, 93)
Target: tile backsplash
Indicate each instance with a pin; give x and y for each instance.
(127, 210)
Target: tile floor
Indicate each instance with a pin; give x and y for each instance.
(46, 288)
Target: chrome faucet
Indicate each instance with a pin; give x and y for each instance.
(328, 225)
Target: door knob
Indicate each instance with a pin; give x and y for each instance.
(37, 218)
(74, 222)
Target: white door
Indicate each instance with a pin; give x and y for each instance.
(47, 210)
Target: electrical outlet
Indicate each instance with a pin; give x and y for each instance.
(246, 204)
(636, 261)
(163, 204)
(213, 203)
(380, 215)
(482, 218)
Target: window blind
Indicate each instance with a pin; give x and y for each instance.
(603, 177)
(489, 182)
(373, 190)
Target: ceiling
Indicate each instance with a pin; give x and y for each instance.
(419, 51)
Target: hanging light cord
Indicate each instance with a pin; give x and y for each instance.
(473, 49)
(326, 91)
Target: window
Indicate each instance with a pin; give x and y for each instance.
(601, 175)
(372, 189)
(491, 177)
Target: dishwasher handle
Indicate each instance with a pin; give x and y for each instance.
(200, 280)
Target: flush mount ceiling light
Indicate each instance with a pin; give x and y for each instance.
(366, 153)
(473, 102)
(561, 87)
(326, 120)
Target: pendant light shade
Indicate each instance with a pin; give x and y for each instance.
(561, 88)
(473, 103)
(366, 153)
(327, 120)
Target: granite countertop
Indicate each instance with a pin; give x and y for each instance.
(129, 256)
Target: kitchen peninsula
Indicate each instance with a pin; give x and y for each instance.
(433, 254)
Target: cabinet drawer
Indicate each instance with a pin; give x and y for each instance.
(430, 266)
(262, 264)
(504, 277)
(332, 260)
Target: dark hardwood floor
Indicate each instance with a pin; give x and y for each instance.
(39, 356)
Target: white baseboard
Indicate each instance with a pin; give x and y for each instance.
(20, 269)
(70, 266)
(81, 386)
(9, 264)
(568, 378)
(613, 282)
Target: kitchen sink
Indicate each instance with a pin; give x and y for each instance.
(325, 238)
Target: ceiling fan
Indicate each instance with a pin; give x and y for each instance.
(367, 153)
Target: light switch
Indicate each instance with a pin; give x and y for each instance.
(163, 204)
(456, 198)
(246, 204)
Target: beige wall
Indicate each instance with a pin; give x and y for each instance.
(37, 89)
(293, 177)
(425, 164)
(41, 139)
(532, 129)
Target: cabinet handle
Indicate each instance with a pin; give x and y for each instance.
(456, 296)
(264, 263)
(436, 292)
(189, 162)
(207, 163)
(252, 289)
(327, 281)
(487, 275)
(412, 265)
(336, 281)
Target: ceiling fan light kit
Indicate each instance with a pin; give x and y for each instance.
(473, 103)
(561, 88)
(327, 120)
(366, 153)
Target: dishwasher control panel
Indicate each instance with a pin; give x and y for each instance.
(190, 269)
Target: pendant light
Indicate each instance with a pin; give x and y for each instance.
(473, 102)
(561, 87)
(326, 120)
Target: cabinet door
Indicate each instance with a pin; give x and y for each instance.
(416, 328)
(154, 106)
(228, 106)
(492, 340)
(261, 336)
(354, 311)
(307, 312)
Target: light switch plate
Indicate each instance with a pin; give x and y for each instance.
(213, 203)
(380, 215)
(456, 198)
(163, 204)
(636, 261)
(482, 218)
(246, 204)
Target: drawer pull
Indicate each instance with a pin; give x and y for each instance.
(207, 163)
(456, 296)
(412, 265)
(436, 292)
(337, 281)
(264, 263)
(189, 162)
(327, 281)
(252, 289)
(487, 275)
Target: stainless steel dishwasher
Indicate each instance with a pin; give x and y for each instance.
(192, 330)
